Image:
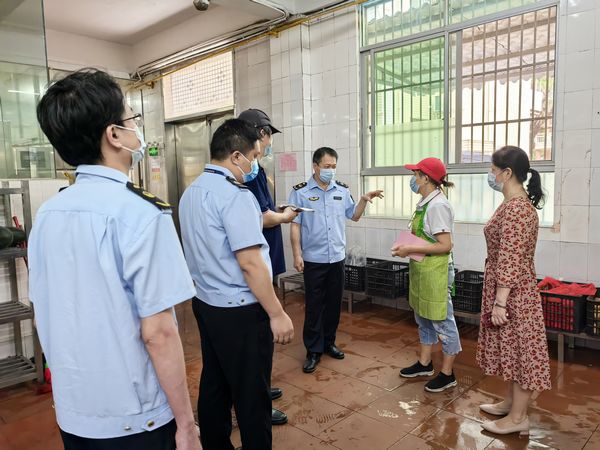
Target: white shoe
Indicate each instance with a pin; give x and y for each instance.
(495, 410)
(521, 428)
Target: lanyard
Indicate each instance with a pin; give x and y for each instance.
(218, 172)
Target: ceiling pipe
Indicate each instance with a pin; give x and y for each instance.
(215, 43)
(223, 44)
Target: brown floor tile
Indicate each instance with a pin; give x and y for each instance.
(467, 405)
(404, 357)
(315, 382)
(359, 432)
(38, 431)
(288, 437)
(594, 442)
(350, 366)
(453, 431)
(405, 416)
(21, 401)
(382, 375)
(296, 350)
(309, 412)
(410, 442)
(351, 393)
(516, 442)
(370, 348)
(283, 363)
(559, 431)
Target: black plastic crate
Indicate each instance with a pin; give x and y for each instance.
(355, 276)
(388, 279)
(468, 289)
(564, 312)
(593, 314)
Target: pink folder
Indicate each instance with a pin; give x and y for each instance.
(407, 238)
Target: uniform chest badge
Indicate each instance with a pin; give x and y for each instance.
(313, 199)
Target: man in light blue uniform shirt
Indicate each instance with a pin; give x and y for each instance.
(238, 314)
(319, 248)
(105, 271)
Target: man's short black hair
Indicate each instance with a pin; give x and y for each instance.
(233, 135)
(320, 152)
(76, 110)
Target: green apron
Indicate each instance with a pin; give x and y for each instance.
(428, 288)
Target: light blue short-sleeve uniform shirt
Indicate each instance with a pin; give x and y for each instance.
(218, 217)
(323, 232)
(101, 258)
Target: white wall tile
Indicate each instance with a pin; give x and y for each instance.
(274, 45)
(573, 261)
(578, 110)
(595, 188)
(580, 29)
(316, 60)
(341, 81)
(276, 91)
(287, 115)
(298, 138)
(296, 88)
(329, 83)
(575, 188)
(284, 40)
(353, 79)
(574, 224)
(546, 258)
(594, 228)
(574, 6)
(596, 109)
(276, 66)
(295, 61)
(373, 242)
(342, 106)
(341, 54)
(306, 66)
(477, 252)
(285, 64)
(342, 139)
(579, 77)
(305, 36)
(594, 264)
(576, 148)
(316, 86)
(286, 90)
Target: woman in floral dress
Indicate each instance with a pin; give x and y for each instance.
(512, 342)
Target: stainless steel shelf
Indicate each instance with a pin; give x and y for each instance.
(13, 311)
(16, 369)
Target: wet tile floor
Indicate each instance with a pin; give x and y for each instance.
(361, 403)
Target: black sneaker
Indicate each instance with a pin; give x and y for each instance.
(441, 383)
(417, 370)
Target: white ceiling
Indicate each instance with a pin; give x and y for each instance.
(131, 21)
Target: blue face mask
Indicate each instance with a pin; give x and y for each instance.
(413, 185)
(268, 152)
(253, 170)
(494, 183)
(326, 175)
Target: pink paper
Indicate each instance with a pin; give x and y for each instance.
(288, 162)
(407, 238)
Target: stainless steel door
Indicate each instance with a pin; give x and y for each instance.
(187, 150)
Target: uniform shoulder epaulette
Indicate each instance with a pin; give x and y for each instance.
(300, 185)
(342, 184)
(236, 183)
(160, 204)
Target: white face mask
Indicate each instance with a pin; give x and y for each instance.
(138, 154)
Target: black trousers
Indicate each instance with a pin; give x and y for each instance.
(323, 287)
(237, 357)
(162, 438)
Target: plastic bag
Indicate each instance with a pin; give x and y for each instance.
(355, 256)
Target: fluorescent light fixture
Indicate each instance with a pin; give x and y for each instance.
(23, 92)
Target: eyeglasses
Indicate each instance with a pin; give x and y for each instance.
(138, 120)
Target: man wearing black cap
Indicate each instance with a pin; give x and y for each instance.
(272, 216)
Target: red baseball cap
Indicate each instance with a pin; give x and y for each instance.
(432, 167)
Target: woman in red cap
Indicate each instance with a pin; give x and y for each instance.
(431, 279)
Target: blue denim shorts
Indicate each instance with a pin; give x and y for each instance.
(446, 331)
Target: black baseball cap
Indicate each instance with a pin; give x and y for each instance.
(258, 118)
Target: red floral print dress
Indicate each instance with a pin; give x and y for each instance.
(518, 351)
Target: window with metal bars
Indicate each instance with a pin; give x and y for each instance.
(458, 94)
(502, 85)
